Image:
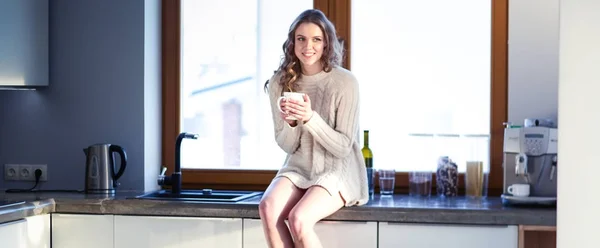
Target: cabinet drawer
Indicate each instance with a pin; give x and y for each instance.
(448, 236)
(82, 230)
(331, 233)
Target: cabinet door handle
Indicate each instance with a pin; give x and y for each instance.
(344, 222)
(446, 225)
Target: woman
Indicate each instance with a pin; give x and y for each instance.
(324, 169)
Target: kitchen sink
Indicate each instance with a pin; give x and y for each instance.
(204, 195)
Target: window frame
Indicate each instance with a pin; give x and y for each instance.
(338, 11)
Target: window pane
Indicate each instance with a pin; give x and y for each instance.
(424, 68)
(227, 55)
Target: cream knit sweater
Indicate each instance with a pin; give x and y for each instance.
(324, 151)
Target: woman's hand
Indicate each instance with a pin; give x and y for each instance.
(286, 115)
(302, 111)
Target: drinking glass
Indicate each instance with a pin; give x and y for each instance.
(419, 183)
(387, 181)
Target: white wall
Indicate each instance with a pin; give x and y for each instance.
(152, 91)
(579, 117)
(533, 59)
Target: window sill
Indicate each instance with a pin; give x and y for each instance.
(229, 179)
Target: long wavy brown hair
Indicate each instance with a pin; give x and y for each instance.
(289, 70)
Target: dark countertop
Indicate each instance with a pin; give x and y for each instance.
(399, 208)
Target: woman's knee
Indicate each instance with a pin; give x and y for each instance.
(300, 223)
(264, 207)
(267, 211)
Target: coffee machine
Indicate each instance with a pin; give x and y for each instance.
(530, 157)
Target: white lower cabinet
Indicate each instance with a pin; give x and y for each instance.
(448, 236)
(347, 233)
(13, 233)
(331, 233)
(82, 230)
(180, 232)
(118, 231)
(30, 232)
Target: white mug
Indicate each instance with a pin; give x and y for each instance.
(290, 95)
(519, 189)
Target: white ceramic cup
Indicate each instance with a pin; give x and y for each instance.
(290, 95)
(519, 189)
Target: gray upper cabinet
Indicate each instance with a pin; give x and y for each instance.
(24, 43)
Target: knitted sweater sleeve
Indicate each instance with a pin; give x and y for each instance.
(286, 136)
(338, 140)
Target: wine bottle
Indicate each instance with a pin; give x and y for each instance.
(368, 156)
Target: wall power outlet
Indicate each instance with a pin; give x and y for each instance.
(24, 172)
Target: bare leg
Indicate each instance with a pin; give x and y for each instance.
(275, 205)
(315, 205)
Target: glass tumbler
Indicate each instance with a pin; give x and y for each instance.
(419, 183)
(387, 181)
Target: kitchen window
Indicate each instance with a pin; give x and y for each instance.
(216, 60)
(224, 66)
(424, 70)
